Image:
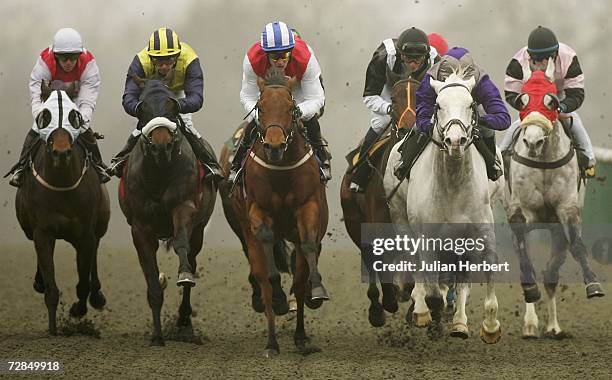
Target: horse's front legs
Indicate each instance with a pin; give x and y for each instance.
(44, 243)
(308, 220)
(182, 220)
(85, 248)
(518, 224)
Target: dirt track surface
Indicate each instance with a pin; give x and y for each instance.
(231, 336)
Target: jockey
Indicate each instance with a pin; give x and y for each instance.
(493, 112)
(67, 61)
(410, 52)
(163, 55)
(542, 45)
(283, 49)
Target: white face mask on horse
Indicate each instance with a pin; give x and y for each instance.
(59, 112)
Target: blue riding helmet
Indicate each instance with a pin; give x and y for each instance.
(277, 36)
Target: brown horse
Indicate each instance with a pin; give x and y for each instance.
(62, 198)
(282, 198)
(371, 206)
(163, 196)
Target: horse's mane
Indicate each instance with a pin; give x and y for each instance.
(536, 118)
(275, 77)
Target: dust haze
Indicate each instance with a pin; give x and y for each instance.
(343, 34)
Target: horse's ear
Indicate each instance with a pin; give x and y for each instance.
(550, 70)
(73, 90)
(261, 83)
(140, 82)
(291, 82)
(45, 90)
(173, 106)
(435, 84)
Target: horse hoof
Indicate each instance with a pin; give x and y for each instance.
(163, 280)
(157, 341)
(557, 335)
(390, 306)
(183, 321)
(532, 294)
(78, 310)
(293, 306)
(594, 289)
(97, 300)
(305, 346)
(271, 353)
(421, 319)
(376, 315)
(257, 304)
(185, 279)
(530, 332)
(490, 337)
(319, 293)
(313, 304)
(39, 287)
(460, 330)
(280, 306)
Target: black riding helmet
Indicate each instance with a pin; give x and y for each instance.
(413, 42)
(542, 43)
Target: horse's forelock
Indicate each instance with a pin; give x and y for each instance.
(536, 118)
(275, 77)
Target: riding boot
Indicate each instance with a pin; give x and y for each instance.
(243, 147)
(313, 133)
(486, 147)
(412, 147)
(205, 156)
(362, 172)
(118, 162)
(29, 145)
(90, 143)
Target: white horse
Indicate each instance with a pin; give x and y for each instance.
(448, 184)
(543, 187)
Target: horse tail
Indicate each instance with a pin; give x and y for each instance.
(282, 252)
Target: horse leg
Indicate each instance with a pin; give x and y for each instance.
(570, 219)
(530, 322)
(376, 313)
(490, 331)
(185, 310)
(44, 244)
(307, 222)
(96, 297)
(300, 281)
(528, 278)
(146, 245)
(182, 220)
(38, 285)
(551, 278)
(460, 328)
(261, 261)
(85, 254)
(421, 314)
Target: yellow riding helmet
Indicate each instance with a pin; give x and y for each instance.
(164, 42)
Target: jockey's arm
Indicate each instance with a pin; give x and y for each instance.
(425, 100)
(89, 87)
(194, 88)
(131, 93)
(513, 82)
(376, 78)
(573, 86)
(314, 97)
(249, 92)
(39, 73)
(487, 94)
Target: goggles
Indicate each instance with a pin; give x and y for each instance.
(276, 56)
(67, 56)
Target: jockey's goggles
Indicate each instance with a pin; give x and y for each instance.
(541, 56)
(161, 60)
(67, 56)
(278, 55)
(409, 50)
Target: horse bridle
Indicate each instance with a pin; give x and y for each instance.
(465, 128)
(295, 117)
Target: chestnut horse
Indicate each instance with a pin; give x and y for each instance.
(163, 197)
(62, 198)
(371, 206)
(282, 198)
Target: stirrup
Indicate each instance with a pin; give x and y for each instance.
(325, 174)
(589, 172)
(17, 178)
(233, 176)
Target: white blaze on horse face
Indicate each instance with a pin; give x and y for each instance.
(54, 104)
(534, 138)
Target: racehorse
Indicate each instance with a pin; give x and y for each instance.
(163, 196)
(544, 187)
(371, 207)
(448, 184)
(62, 198)
(282, 198)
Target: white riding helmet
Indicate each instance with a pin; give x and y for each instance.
(67, 40)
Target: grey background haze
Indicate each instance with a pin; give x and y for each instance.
(343, 34)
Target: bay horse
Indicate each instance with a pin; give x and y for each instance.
(163, 196)
(62, 198)
(371, 206)
(544, 192)
(448, 185)
(282, 198)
